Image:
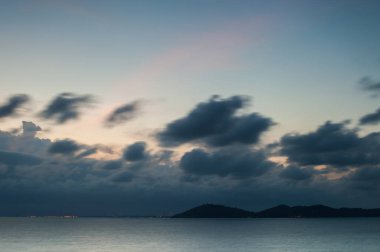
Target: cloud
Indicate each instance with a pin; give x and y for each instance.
(65, 107)
(370, 85)
(297, 173)
(123, 177)
(135, 152)
(373, 118)
(123, 113)
(112, 165)
(30, 129)
(64, 147)
(26, 142)
(35, 182)
(365, 179)
(233, 175)
(15, 159)
(238, 163)
(216, 123)
(366, 174)
(10, 107)
(332, 144)
(87, 152)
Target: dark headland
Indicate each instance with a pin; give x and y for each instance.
(281, 211)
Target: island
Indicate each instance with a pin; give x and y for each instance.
(280, 211)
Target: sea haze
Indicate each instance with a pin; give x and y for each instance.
(169, 235)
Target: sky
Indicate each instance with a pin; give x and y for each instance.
(152, 107)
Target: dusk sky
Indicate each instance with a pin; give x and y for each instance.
(152, 107)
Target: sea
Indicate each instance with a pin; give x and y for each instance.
(53, 234)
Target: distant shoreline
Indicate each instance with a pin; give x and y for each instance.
(213, 211)
(280, 211)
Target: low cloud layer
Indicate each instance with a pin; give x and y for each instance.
(297, 173)
(238, 163)
(12, 159)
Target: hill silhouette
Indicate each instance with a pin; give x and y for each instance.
(214, 211)
(280, 211)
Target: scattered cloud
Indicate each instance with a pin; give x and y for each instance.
(123, 114)
(135, 152)
(372, 118)
(65, 107)
(87, 152)
(332, 144)
(370, 85)
(227, 168)
(216, 123)
(30, 129)
(10, 107)
(64, 147)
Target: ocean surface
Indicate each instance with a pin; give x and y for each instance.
(179, 235)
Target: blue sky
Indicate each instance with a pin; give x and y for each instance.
(300, 62)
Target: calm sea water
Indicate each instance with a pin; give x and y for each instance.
(166, 235)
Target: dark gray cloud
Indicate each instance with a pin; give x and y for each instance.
(66, 106)
(372, 118)
(332, 144)
(370, 85)
(112, 164)
(16, 159)
(216, 123)
(246, 129)
(87, 152)
(123, 177)
(238, 163)
(135, 152)
(59, 186)
(11, 106)
(64, 147)
(366, 174)
(33, 182)
(365, 179)
(29, 129)
(6, 139)
(297, 173)
(123, 113)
